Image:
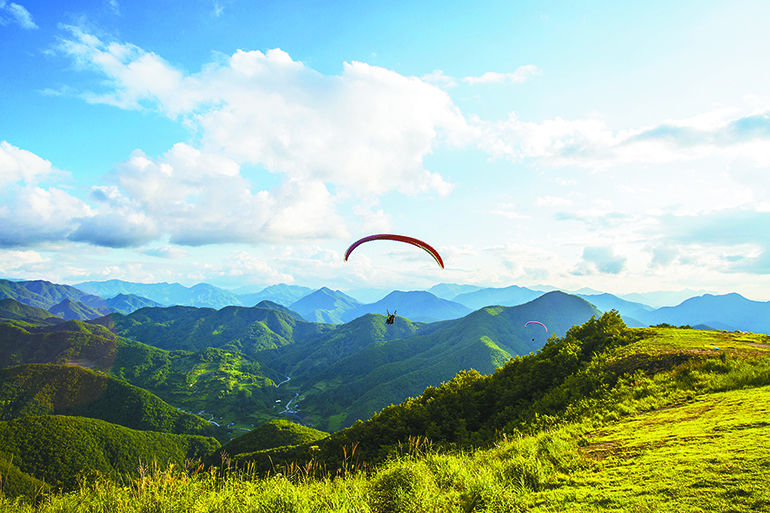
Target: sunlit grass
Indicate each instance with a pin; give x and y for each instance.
(689, 434)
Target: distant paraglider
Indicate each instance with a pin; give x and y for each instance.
(536, 322)
(398, 238)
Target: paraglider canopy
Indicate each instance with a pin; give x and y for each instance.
(536, 322)
(398, 238)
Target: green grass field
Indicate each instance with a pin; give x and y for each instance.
(686, 430)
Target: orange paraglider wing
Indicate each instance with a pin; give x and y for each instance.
(398, 238)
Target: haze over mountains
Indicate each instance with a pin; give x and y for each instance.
(90, 300)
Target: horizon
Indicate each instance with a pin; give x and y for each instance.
(588, 145)
(373, 295)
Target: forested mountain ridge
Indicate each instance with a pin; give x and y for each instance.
(42, 389)
(44, 294)
(73, 342)
(387, 371)
(600, 370)
(62, 450)
(248, 330)
(12, 309)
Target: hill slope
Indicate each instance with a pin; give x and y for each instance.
(14, 310)
(70, 310)
(44, 294)
(71, 342)
(387, 371)
(38, 389)
(59, 449)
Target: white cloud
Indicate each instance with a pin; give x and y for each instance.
(35, 215)
(241, 264)
(601, 259)
(198, 198)
(17, 165)
(368, 129)
(18, 14)
(552, 201)
(12, 262)
(438, 78)
(590, 144)
(114, 7)
(508, 210)
(521, 74)
(167, 252)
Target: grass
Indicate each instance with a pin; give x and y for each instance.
(691, 437)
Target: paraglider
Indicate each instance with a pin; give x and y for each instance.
(536, 322)
(398, 238)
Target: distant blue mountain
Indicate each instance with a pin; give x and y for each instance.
(729, 311)
(416, 306)
(451, 290)
(201, 295)
(663, 298)
(507, 296)
(325, 305)
(607, 302)
(282, 294)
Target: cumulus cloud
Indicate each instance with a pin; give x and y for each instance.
(13, 262)
(601, 259)
(368, 129)
(35, 215)
(520, 75)
(590, 144)
(198, 198)
(15, 13)
(167, 252)
(187, 196)
(438, 78)
(17, 165)
(240, 264)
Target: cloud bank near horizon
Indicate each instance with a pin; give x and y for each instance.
(355, 137)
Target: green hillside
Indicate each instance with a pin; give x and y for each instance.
(13, 310)
(247, 330)
(70, 310)
(71, 342)
(599, 370)
(15, 483)
(59, 450)
(43, 294)
(37, 389)
(387, 371)
(605, 418)
(273, 434)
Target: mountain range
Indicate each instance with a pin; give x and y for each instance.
(90, 300)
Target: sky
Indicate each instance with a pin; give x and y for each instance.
(612, 145)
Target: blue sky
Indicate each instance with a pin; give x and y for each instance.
(619, 146)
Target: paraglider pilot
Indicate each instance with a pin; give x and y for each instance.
(391, 317)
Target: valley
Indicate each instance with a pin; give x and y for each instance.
(228, 377)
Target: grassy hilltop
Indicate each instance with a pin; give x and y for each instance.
(606, 418)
